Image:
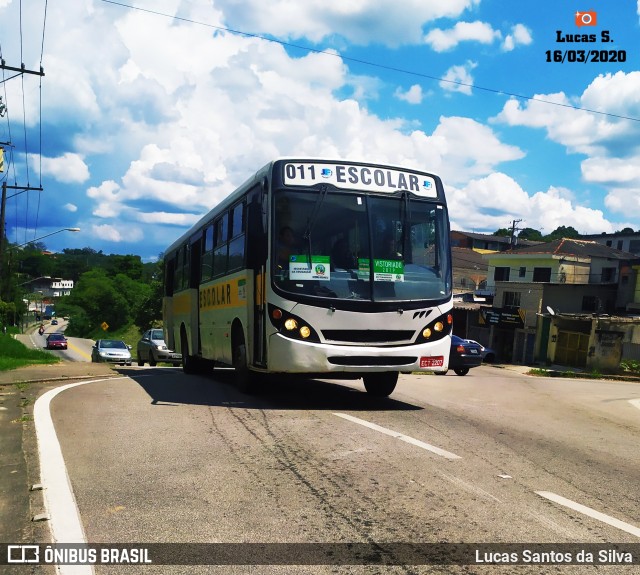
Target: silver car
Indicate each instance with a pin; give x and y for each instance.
(111, 351)
(153, 349)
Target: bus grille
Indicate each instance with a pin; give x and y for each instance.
(359, 360)
(368, 335)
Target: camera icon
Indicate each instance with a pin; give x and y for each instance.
(588, 18)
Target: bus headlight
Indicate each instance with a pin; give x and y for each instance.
(440, 327)
(305, 332)
(292, 326)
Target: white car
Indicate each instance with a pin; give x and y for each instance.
(153, 349)
(111, 351)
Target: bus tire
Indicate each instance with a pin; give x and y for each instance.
(188, 361)
(243, 375)
(380, 384)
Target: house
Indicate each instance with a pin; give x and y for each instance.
(548, 298)
(627, 241)
(484, 243)
(49, 287)
(469, 270)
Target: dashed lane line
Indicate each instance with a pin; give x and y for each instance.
(400, 436)
(632, 529)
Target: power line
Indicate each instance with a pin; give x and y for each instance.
(375, 64)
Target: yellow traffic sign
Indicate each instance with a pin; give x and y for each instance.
(104, 325)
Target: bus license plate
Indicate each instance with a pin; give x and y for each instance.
(434, 361)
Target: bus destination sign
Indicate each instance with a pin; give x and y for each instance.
(360, 178)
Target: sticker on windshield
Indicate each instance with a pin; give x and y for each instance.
(388, 271)
(299, 268)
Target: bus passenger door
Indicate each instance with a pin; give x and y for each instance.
(256, 261)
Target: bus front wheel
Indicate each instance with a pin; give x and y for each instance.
(380, 384)
(188, 361)
(243, 375)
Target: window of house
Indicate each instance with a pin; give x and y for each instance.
(608, 274)
(619, 244)
(522, 272)
(541, 274)
(511, 299)
(634, 246)
(501, 274)
(609, 243)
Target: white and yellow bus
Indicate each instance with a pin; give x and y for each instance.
(316, 267)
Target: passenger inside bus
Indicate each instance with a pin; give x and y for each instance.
(287, 247)
(341, 255)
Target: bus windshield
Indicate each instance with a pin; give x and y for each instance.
(339, 245)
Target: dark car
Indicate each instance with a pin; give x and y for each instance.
(464, 355)
(488, 355)
(56, 341)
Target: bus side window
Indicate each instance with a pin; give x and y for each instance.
(237, 243)
(207, 253)
(221, 248)
(257, 242)
(169, 271)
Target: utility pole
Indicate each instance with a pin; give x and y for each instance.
(514, 240)
(19, 71)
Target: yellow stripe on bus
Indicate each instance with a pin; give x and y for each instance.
(224, 294)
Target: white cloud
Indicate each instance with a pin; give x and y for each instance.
(520, 35)
(359, 21)
(459, 78)
(70, 207)
(611, 143)
(169, 218)
(491, 203)
(69, 168)
(117, 233)
(443, 40)
(413, 95)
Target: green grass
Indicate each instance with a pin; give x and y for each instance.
(14, 354)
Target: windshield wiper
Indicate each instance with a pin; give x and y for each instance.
(313, 217)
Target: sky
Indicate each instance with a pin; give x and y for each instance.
(151, 111)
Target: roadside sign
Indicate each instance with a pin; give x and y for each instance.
(104, 325)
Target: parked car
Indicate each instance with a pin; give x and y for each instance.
(152, 349)
(464, 355)
(56, 341)
(54, 322)
(488, 355)
(111, 351)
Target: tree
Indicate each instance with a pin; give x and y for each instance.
(503, 232)
(562, 232)
(101, 301)
(150, 310)
(530, 234)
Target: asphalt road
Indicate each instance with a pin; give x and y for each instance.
(78, 349)
(495, 456)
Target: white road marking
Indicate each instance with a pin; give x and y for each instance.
(635, 403)
(400, 436)
(590, 512)
(59, 500)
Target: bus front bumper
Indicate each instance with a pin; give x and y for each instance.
(293, 356)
